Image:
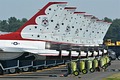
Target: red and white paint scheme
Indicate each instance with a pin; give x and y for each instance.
(53, 23)
(30, 36)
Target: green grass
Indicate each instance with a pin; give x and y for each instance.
(113, 77)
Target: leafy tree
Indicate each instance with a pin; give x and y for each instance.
(4, 26)
(114, 31)
(24, 20)
(12, 24)
(107, 19)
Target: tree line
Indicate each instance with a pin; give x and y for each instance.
(113, 32)
(12, 24)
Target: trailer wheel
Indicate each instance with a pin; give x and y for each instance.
(76, 73)
(12, 71)
(118, 58)
(84, 71)
(92, 70)
(25, 69)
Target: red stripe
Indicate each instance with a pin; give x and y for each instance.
(11, 36)
(70, 8)
(79, 12)
(88, 15)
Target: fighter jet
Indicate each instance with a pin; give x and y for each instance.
(54, 28)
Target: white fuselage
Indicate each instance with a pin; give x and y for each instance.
(22, 46)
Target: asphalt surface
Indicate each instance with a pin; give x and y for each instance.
(57, 72)
(112, 69)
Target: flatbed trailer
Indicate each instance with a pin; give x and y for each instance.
(16, 66)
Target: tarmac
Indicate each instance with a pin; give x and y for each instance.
(56, 73)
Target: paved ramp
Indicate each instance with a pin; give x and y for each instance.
(57, 72)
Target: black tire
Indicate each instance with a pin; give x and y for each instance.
(25, 69)
(118, 58)
(76, 73)
(92, 70)
(84, 71)
(12, 71)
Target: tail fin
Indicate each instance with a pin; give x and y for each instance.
(41, 22)
(58, 17)
(43, 11)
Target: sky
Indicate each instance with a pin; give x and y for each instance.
(27, 8)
